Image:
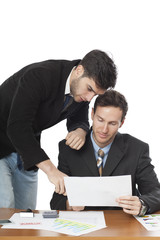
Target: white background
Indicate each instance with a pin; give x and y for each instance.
(36, 30)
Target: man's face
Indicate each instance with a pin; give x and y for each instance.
(83, 88)
(106, 122)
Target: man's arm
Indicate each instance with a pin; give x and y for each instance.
(78, 126)
(79, 117)
(147, 182)
(148, 187)
(54, 175)
(28, 97)
(30, 93)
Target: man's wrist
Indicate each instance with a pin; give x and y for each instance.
(47, 166)
(143, 208)
(81, 130)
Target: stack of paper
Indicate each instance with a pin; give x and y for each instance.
(71, 223)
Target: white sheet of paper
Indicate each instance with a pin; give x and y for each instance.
(72, 227)
(92, 217)
(78, 223)
(37, 222)
(97, 191)
(72, 223)
(150, 222)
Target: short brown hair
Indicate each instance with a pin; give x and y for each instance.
(99, 66)
(112, 98)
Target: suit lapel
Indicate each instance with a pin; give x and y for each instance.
(89, 157)
(115, 155)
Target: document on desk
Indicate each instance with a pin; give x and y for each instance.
(78, 223)
(71, 223)
(150, 222)
(91, 217)
(97, 191)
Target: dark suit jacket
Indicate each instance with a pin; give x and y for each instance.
(127, 156)
(30, 101)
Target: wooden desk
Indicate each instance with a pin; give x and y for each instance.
(120, 226)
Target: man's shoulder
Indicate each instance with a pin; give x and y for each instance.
(62, 143)
(51, 64)
(63, 147)
(130, 139)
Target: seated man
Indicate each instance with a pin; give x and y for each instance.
(123, 155)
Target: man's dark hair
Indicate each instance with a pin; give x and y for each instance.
(99, 66)
(114, 99)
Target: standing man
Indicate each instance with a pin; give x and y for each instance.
(106, 152)
(34, 99)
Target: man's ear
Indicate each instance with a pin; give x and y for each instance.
(79, 71)
(122, 123)
(92, 114)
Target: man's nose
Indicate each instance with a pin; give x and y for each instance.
(105, 128)
(90, 96)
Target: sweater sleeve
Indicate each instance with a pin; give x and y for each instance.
(79, 119)
(30, 93)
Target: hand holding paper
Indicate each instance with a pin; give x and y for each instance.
(130, 204)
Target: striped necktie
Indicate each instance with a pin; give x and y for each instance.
(100, 161)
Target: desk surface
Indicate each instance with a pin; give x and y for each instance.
(119, 226)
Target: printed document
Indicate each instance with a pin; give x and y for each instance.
(68, 222)
(97, 191)
(150, 222)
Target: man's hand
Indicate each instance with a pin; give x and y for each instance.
(54, 175)
(76, 138)
(130, 204)
(74, 208)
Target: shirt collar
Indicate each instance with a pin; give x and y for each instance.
(67, 88)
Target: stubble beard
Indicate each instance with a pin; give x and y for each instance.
(74, 86)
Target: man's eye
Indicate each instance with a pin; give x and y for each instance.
(100, 119)
(113, 123)
(89, 89)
